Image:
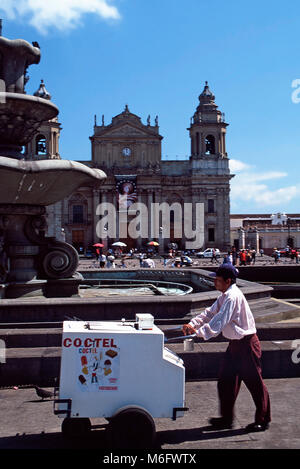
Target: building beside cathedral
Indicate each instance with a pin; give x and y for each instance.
(130, 153)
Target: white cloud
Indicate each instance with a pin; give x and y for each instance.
(250, 187)
(237, 166)
(60, 14)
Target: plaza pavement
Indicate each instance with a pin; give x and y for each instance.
(197, 262)
(27, 422)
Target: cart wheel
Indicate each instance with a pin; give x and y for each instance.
(131, 428)
(76, 427)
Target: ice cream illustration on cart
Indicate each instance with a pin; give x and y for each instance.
(99, 369)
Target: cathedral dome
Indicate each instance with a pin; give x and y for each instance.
(42, 92)
(206, 95)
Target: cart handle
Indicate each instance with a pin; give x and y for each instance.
(178, 328)
(191, 336)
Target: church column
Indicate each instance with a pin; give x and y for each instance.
(95, 217)
(149, 206)
(201, 149)
(227, 217)
(241, 232)
(115, 204)
(139, 239)
(223, 146)
(104, 239)
(159, 229)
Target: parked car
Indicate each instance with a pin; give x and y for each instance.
(284, 252)
(208, 253)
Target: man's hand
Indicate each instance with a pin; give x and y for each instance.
(187, 329)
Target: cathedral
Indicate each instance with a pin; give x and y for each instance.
(129, 152)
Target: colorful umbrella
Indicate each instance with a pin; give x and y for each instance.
(119, 244)
(98, 245)
(152, 243)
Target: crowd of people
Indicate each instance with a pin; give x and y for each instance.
(248, 256)
(175, 258)
(117, 258)
(289, 252)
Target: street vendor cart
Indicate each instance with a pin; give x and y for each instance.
(120, 371)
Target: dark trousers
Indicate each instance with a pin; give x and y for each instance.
(242, 362)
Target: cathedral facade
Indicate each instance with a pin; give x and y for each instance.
(129, 152)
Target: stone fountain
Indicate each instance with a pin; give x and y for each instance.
(32, 264)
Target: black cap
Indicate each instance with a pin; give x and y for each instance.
(226, 271)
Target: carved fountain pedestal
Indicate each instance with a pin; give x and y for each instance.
(32, 264)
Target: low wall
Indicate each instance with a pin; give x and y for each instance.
(264, 273)
(100, 308)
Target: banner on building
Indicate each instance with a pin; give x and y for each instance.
(126, 190)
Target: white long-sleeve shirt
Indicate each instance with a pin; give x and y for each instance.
(230, 314)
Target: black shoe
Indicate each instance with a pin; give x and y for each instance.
(220, 423)
(257, 427)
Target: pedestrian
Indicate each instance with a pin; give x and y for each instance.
(234, 256)
(149, 263)
(248, 258)
(177, 262)
(297, 257)
(276, 255)
(102, 260)
(214, 257)
(231, 315)
(227, 258)
(261, 252)
(242, 257)
(111, 262)
(293, 254)
(253, 256)
(141, 257)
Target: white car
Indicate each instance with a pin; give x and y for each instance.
(208, 253)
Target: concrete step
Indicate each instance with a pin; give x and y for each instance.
(41, 365)
(38, 365)
(273, 310)
(52, 337)
(204, 361)
(22, 338)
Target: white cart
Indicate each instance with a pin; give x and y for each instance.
(120, 371)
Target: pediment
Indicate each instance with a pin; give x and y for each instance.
(125, 130)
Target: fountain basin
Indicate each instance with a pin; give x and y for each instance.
(21, 116)
(41, 309)
(43, 182)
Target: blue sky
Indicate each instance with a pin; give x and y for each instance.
(155, 55)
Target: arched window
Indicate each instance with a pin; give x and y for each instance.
(77, 209)
(210, 145)
(78, 213)
(40, 146)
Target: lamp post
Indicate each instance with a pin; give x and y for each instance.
(288, 222)
(160, 239)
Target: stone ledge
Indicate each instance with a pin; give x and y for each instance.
(41, 365)
(204, 361)
(52, 337)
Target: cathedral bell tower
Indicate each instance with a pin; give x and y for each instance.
(208, 128)
(45, 143)
(210, 172)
